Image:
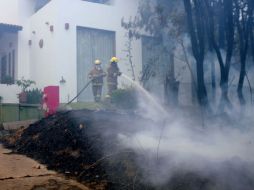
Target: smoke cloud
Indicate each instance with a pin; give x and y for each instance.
(218, 148)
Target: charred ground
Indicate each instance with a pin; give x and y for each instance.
(84, 144)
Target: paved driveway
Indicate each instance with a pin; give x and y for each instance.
(19, 172)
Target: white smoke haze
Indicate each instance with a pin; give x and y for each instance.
(214, 145)
(222, 147)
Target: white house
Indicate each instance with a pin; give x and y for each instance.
(46, 41)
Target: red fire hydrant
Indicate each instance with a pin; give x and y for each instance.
(50, 100)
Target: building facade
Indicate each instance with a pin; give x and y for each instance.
(47, 41)
(51, 41)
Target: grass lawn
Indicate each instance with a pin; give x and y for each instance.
(88, 105)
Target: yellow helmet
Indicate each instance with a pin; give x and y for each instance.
(114, 59)
(97, 62)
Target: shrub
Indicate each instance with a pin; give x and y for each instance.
(24, 84)
(34, 96)
(124, 98)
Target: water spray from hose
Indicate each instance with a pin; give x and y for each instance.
(149, 97)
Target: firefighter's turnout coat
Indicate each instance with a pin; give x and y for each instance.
(113, 73)
(97, 74)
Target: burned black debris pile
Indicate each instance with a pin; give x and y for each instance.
(82, 144)
(86, 145)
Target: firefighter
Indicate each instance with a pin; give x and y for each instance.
(96, 75)
(113, 74)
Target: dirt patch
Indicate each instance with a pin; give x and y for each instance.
(41, 183)
(19, 172)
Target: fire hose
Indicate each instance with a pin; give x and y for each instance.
(82, 90)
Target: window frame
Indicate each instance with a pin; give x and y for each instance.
(8, 67)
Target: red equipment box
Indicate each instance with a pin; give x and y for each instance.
(50, 100)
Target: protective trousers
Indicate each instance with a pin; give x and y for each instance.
(111, 88)
(97, 91)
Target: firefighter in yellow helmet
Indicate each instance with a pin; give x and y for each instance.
(96, 75)
(113, 74)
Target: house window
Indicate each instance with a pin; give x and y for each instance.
(7, 68)
(99, 1)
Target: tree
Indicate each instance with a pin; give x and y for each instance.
(163, 21)
(196, 26)
(244, 21)
(130, 37)
(228, 25)
(223, 28)
(221, 36)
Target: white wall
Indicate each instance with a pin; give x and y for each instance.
(23, 53)
(9, 11)
(9, 93)
(16, 11)
(43, 60)
(25, 10)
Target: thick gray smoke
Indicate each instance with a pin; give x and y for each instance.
(219, 148)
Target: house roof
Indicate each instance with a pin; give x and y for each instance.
(9, 28)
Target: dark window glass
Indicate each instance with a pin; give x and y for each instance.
(9, 64)
(3, 69)
(13, 64)
(7, 68)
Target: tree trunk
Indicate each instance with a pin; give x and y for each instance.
(193, 81)
(198, 45)
(171, 86)
(202, 93)
(240, 85)
(252, 43)
(243, 54)
(213, 79)
(251, 4)
(244, 26)
(226, 15)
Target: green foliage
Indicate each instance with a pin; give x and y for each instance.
(87, 105)
(24, 84)
(161, 25)
(7, 80)
(34, 96)
(162, 19)
(124, 98)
